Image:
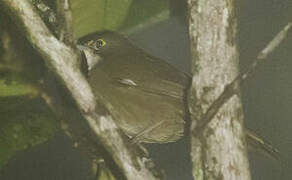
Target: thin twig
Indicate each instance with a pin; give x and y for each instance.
(65, 25)
(233, 87)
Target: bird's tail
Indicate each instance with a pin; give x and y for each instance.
(256, 142)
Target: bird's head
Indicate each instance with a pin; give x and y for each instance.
(105, 43)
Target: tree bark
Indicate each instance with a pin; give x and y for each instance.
(218, 150)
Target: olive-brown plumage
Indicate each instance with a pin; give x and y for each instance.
(144, 94)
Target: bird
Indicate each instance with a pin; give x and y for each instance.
(144, 94)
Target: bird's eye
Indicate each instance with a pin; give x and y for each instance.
(99, 43)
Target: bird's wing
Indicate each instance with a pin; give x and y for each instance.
(147, 104)
(151, 75)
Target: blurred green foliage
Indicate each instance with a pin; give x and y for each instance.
(98, 15)
(15, 88)
(24, 122)
(142, 11)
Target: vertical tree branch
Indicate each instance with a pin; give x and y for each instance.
(65, 22)
(218, 150)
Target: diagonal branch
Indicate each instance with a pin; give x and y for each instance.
(63, 61)
(233, 88)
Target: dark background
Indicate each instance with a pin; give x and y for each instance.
(267, 99)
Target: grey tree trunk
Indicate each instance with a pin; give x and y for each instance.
(218, 150)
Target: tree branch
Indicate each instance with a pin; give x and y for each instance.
(218, 150)
(65, 25)
(63, 61)
(47, 14)
(233, 87)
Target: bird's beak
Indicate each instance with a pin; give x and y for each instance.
(92, 58)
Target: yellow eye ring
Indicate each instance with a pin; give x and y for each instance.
(100, 43)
